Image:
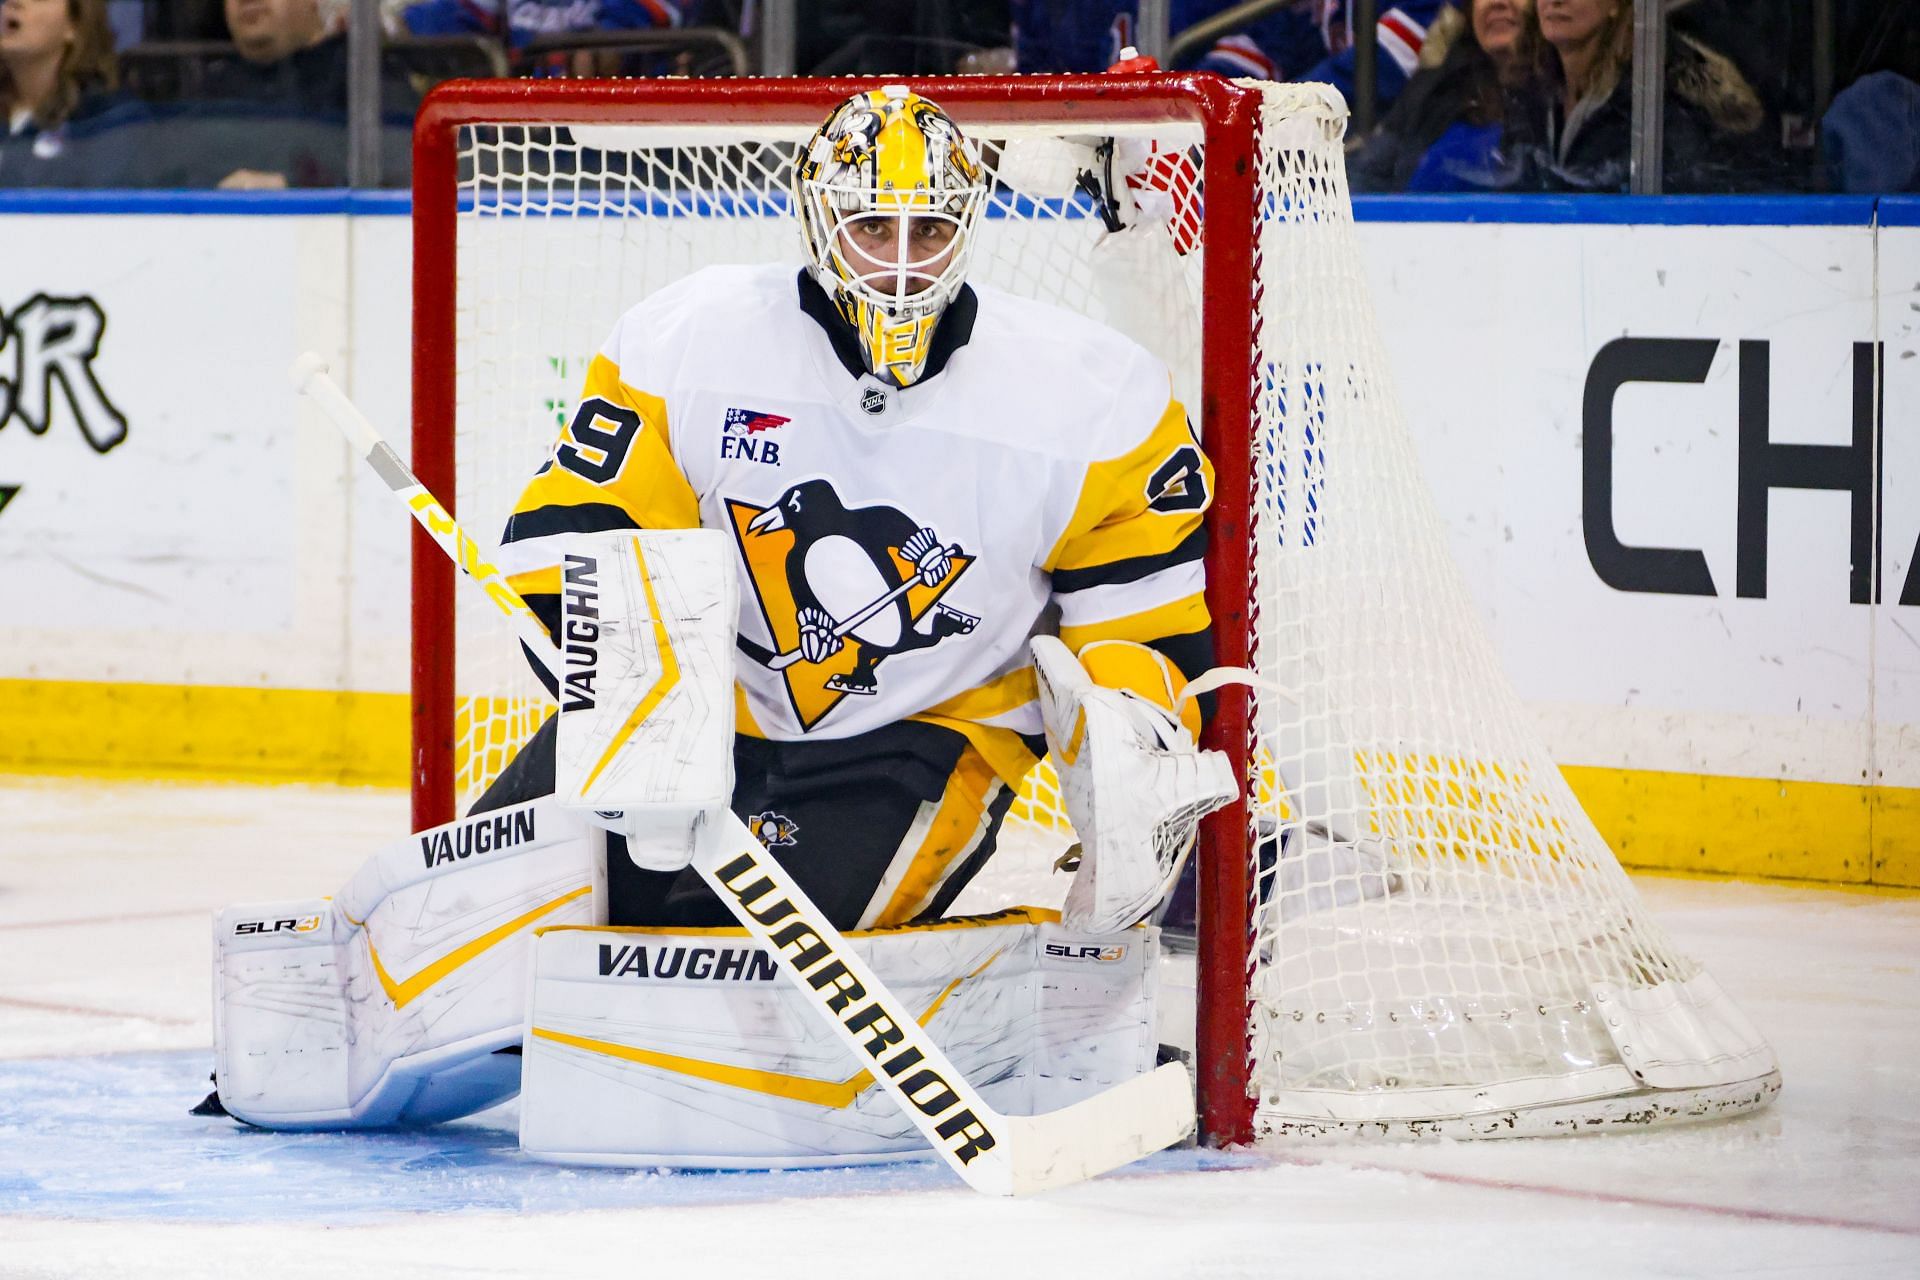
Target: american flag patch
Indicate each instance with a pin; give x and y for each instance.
(749, 421)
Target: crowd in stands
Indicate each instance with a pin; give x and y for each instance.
(1471, 95)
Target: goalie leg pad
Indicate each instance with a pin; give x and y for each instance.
(650, 1047)
(389, 1004)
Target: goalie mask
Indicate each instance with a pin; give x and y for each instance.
(889, 193)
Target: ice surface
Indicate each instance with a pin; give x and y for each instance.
(106, 890)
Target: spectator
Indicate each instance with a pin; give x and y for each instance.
(900, 37)
(57, 90)
(1304, 40)
(291, 58)
(522, 21)
(292, 72)
(1445, 131)
(1871, 135)
(1575, 127)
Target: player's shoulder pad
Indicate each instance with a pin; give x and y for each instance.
(1107, 389)
(714, 304)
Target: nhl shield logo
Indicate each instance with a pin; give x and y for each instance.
(874, 402)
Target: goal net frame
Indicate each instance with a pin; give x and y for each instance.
(1235, 890)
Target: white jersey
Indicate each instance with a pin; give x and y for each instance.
(896, 548)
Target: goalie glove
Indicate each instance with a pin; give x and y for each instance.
(1135, 787)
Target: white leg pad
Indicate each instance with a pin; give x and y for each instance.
(388, 1005)
(646, 1047)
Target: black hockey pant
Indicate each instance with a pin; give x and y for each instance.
(878, 829)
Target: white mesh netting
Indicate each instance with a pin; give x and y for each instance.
(1437, 924)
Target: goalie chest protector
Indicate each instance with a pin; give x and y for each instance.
(918, 528)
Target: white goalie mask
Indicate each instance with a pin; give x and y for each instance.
(889, 193)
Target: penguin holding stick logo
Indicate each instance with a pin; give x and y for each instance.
(863, 579)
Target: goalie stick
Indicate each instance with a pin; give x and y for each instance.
(993, 1153)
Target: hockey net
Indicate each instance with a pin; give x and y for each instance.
(1409, 924)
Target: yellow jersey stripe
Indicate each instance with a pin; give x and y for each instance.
(604, 381)
(1179, 618)
(649, 486)
(743, 721)
(1112, 521)
(1004, 749)
(536, 582)
(955, 826)
(996, 697)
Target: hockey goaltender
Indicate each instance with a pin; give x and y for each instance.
(799, 552)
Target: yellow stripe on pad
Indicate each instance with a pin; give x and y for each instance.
(663, 685)
(404, 993)
(833, 1094)
(1070, 752)
(1012, 915)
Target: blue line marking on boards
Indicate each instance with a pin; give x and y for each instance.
(109, 1137)
(1899, 211)
(1531, 209)
(255, 204)
(1621, 210)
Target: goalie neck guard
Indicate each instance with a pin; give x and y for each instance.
(889, 193)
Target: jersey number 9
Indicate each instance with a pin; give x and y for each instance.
(589, 438)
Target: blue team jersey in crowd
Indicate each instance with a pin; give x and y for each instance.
(524, 20)
(1306, 40)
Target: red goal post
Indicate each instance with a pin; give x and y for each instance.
(1407, 925)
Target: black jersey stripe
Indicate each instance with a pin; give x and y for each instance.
(1191, 547)
(546, 608)
(587, 517)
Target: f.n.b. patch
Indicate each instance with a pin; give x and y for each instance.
(742, 436)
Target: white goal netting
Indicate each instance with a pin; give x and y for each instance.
(1441, 939)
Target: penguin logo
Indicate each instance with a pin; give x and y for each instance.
(773, 829)
(841, 590)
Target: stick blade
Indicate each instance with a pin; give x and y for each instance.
(1127, 1122)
